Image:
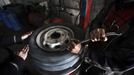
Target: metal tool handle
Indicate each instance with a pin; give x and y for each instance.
(107, 34)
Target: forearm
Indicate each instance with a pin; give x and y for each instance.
(8, 40)
(14, 67)
(100, 18)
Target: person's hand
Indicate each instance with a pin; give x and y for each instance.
(74, 47)
(26, 35)
(24, 52)
(98, 34)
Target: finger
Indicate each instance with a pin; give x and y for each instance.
(25, 36)
(105, 39)
(73, 44)
(95, 39)
(25, 49)
(98, 34)
(92, 40)
(95, 35)
(70, 47)
(76, 41)
(30, 33)
(92, 36)
(103, 35)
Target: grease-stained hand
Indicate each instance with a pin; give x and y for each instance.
(74, 46)
(24, 52)
(26, 35)
(98, 34)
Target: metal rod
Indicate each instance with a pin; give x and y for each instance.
(107, 34)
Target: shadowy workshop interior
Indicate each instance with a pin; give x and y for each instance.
(55, 23)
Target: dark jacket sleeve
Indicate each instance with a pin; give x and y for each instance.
(120, 53)
(14, 67)
(9, 40)
(100, 18)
